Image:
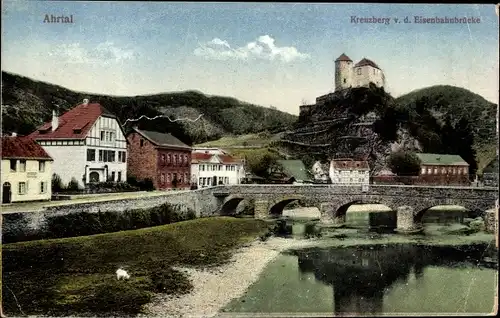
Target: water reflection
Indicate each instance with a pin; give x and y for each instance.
(360, 276)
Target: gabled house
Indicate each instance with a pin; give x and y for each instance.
(211, 167)
(26, 172)
(87, 144)
(349, 171)
(160, 157)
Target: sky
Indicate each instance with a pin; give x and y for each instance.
(269, 54)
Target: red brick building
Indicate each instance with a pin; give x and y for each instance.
(161, 157)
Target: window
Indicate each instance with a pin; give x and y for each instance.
(111, 136)
(124, 156)
(180, 178)
(176, 160)
(102, 135)
(162, 178)
(101, 155)
(226, 180)
(423, 170)
(220, 167)
(443, 170)
(186, 159)
(360, 180)
(119, 176)
(429, 171)
(43, 187)
(435, 170)
(13, 165)
(338, 180)
(359, 71)
(174, 177)
(90, 154)
(163, 158)
(374, 72)
(22, 165)
(22, 188)
(202, 167)
(227, 168)
(350, 180)
(200, 180)
(119, 156)
(345, 81)
(41, 166)
(112, 176)
(142, 142)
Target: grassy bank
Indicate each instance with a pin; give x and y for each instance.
(77, 275)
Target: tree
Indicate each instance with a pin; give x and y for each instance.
(404, 163)
(261, 163)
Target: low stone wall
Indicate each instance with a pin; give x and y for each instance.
(28, 224)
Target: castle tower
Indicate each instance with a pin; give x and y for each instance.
(343, 72)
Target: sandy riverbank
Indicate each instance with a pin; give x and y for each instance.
(214, 288)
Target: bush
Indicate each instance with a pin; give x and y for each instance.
(404, 163)
(73, 185)
(311, 230)
(57, 185)
(86, 223)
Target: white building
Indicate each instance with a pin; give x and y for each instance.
(26, 171)
(361, 74)
(211, 167)
(346, 171)
(87, 143)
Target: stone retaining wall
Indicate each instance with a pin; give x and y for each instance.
(202, 202)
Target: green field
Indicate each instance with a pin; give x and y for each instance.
(76, 276)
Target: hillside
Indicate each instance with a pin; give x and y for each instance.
(456, 103)
(29, 103)
(368, 123)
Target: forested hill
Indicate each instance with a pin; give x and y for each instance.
(445, 107)
(29, 103)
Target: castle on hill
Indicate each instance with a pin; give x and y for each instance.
(349, 75)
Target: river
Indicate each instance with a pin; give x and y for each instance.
(355, 274)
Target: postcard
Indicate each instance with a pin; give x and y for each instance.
(183, 159)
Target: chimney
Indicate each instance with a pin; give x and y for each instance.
(85, 102)
(55, 120)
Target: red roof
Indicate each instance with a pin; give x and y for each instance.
(200, 157)
(343, 57)
(73, 124)
(350, 165)
(22, 148)
(365, 62)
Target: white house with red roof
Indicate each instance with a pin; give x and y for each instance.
(87, 143)
(361, 74)
(26, 172)
(210, 167)
(348, 171)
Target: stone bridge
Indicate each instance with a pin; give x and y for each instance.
(410, 202)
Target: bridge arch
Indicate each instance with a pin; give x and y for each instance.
(343, 206)
(230, 204)
(276, 207)
(474, 207)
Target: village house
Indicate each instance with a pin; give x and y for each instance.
(349, 171)
(160, 157)
(26, 172)
(320, 172)
(87, 144)
(442, 165)
(211, 167)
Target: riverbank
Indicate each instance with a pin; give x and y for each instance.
(76, 276)
(215, 288)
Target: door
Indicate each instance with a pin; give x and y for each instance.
(94, 176)
(6, 193)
